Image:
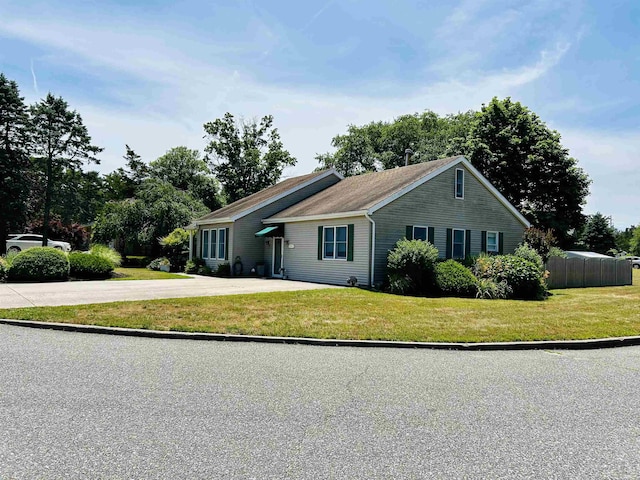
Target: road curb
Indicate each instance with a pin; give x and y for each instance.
(489, 346)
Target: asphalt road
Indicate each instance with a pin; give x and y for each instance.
(94, 406)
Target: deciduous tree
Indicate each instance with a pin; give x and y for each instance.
(246, 156)
(526, 162)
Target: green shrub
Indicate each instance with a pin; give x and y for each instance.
(4, 269)
(192, 265)
(488, 289)
(40, 264)
(223, 270)
(557, 252)
(176, 248)
(523, 277)
(530, 254)
(89, 265)
(454, 279)
(107, 253)
(410, 267)
(159, 262)
(8, 258)
(204, 270)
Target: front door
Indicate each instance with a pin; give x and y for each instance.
(278, 248)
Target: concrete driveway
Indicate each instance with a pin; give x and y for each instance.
(14, 295)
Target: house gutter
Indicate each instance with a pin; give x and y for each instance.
(373, 247)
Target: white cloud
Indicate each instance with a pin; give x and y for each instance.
(611, 160)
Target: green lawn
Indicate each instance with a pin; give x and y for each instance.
(360, 314)
(143, 274)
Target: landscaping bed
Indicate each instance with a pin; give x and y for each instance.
(360, 314)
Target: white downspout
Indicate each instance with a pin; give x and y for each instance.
(373, 247)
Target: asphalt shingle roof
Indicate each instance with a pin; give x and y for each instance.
(257, 198)
(362, 192)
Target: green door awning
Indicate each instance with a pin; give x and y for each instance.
(272, 231)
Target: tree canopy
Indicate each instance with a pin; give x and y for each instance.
(186, 170)
(60, 144)
(526, 162)
(14, 159)
(246, 156)
(598, 235)
(505, 141)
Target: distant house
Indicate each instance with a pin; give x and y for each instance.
(325, 228)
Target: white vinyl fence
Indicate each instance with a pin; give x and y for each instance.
(588, 272)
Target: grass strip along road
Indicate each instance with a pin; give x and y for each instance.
(360, 314)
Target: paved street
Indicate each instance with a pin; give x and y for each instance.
(96, 406)
(14, 295)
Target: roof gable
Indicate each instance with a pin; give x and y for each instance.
(366, 193)
(251, 203)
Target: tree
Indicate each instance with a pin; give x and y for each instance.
(382, 145)
(123, 182)
(634, 243)
(623, 239)
(61, 143)
(186, 170)
(158, 209)
(246, 156)
(540, 240)
(598, 235)
(14, 159)
(526, 162)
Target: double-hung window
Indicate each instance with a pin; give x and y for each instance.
(459, 183)
(492, 242)
(205, 243)
(222, 243)
(458, 243)
(334, 243)
(420, 233)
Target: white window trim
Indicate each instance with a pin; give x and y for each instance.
(335, 242)
(455, 184)
(453, 242)
(486, 241)
(426, 229)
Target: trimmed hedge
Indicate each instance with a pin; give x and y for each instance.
(454, 279)
(89, 265)
(40, 264)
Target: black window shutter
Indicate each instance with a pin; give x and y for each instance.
(449, 240)
(320, 242)
(501, 243)
(226, 244)
(467, 244)
(431, 234)
(350, 235)
(483, 241)
(409, 234)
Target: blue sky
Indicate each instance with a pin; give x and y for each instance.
(150, 73)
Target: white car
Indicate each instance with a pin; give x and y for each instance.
(23, 241)
(635, 262)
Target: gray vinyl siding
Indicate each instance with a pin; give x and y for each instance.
(433, 204)
(246, 245)
(213, 262)
(301, 262)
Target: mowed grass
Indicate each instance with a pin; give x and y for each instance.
(123, 273)
(360, 314)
